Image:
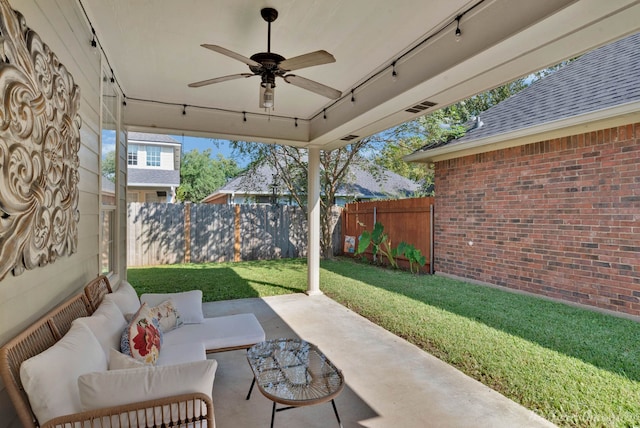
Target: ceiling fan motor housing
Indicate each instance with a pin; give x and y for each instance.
(269, 14)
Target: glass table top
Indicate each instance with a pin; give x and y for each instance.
(294, 372)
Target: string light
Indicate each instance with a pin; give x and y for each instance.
(458, 34)
(296, 121)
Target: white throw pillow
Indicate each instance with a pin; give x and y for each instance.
(119, 361)
(50, 378)
(188, 304)
(119, 387)
(107, 324)
(125, 297)
(167, 315)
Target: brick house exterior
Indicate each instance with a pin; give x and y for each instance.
(559, 218)
(555, 213)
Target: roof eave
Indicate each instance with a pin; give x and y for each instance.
(153, 184)
(606, 118)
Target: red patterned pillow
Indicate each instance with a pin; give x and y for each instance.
(142, 338)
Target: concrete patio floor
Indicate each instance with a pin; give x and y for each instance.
(389, 382)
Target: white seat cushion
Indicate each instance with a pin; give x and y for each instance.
(179, 354)
(50, 378)
(119, 387)
(107, 324)
(219, 332)
(126, 298)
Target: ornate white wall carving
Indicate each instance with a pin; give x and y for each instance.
(39, 143)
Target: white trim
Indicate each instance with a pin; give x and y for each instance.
(313, 223)
(153, 143)
(153, 184)
(587, 122)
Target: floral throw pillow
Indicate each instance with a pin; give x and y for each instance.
(142, 338)
(167, 315)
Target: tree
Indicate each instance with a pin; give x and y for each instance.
(291, 165)
(200, 175)
(109, 166)
(441, 126)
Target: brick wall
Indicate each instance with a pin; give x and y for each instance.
(559, 218)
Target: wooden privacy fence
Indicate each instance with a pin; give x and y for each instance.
(408, 220)
(200, 233)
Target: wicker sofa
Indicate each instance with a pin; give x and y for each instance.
(70, 348)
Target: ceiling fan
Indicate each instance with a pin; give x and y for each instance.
(269, 65)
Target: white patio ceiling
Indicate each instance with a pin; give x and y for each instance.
(154, 49)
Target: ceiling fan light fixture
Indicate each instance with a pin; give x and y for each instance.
(267, 97)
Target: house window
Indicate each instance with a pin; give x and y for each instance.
(132, 154)
(153, 156)
(110, 142)
(107, 256)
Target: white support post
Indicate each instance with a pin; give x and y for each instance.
(313, 223)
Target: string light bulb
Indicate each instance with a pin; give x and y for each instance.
(394, 73)
(458, 32)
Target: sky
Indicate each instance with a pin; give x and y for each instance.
(216, 146)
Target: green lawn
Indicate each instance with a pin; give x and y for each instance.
(572, 366)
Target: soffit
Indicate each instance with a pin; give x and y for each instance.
(154, 49)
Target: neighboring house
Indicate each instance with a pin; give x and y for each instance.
(153, 167)
(261, 185)
(108, 196)
(543, 194)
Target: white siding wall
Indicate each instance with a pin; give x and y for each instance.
(166, 158)
(23, 299)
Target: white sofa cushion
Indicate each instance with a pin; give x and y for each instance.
(119, 361)
(125, 297)
(188, 303)
(179, 354)
(219, 332)
(107, 324)
(119, 387)
(50, 378)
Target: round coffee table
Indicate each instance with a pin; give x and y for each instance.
(294, 373)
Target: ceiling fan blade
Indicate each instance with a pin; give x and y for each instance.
(312, 86)
(220, 79)
(232, 54)
(306, 60)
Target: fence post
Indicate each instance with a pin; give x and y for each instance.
(237, 242)
(187, 233)
(431, 243)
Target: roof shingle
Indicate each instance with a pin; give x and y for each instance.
(603, 78)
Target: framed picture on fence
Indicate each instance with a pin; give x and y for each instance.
(349, 244)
